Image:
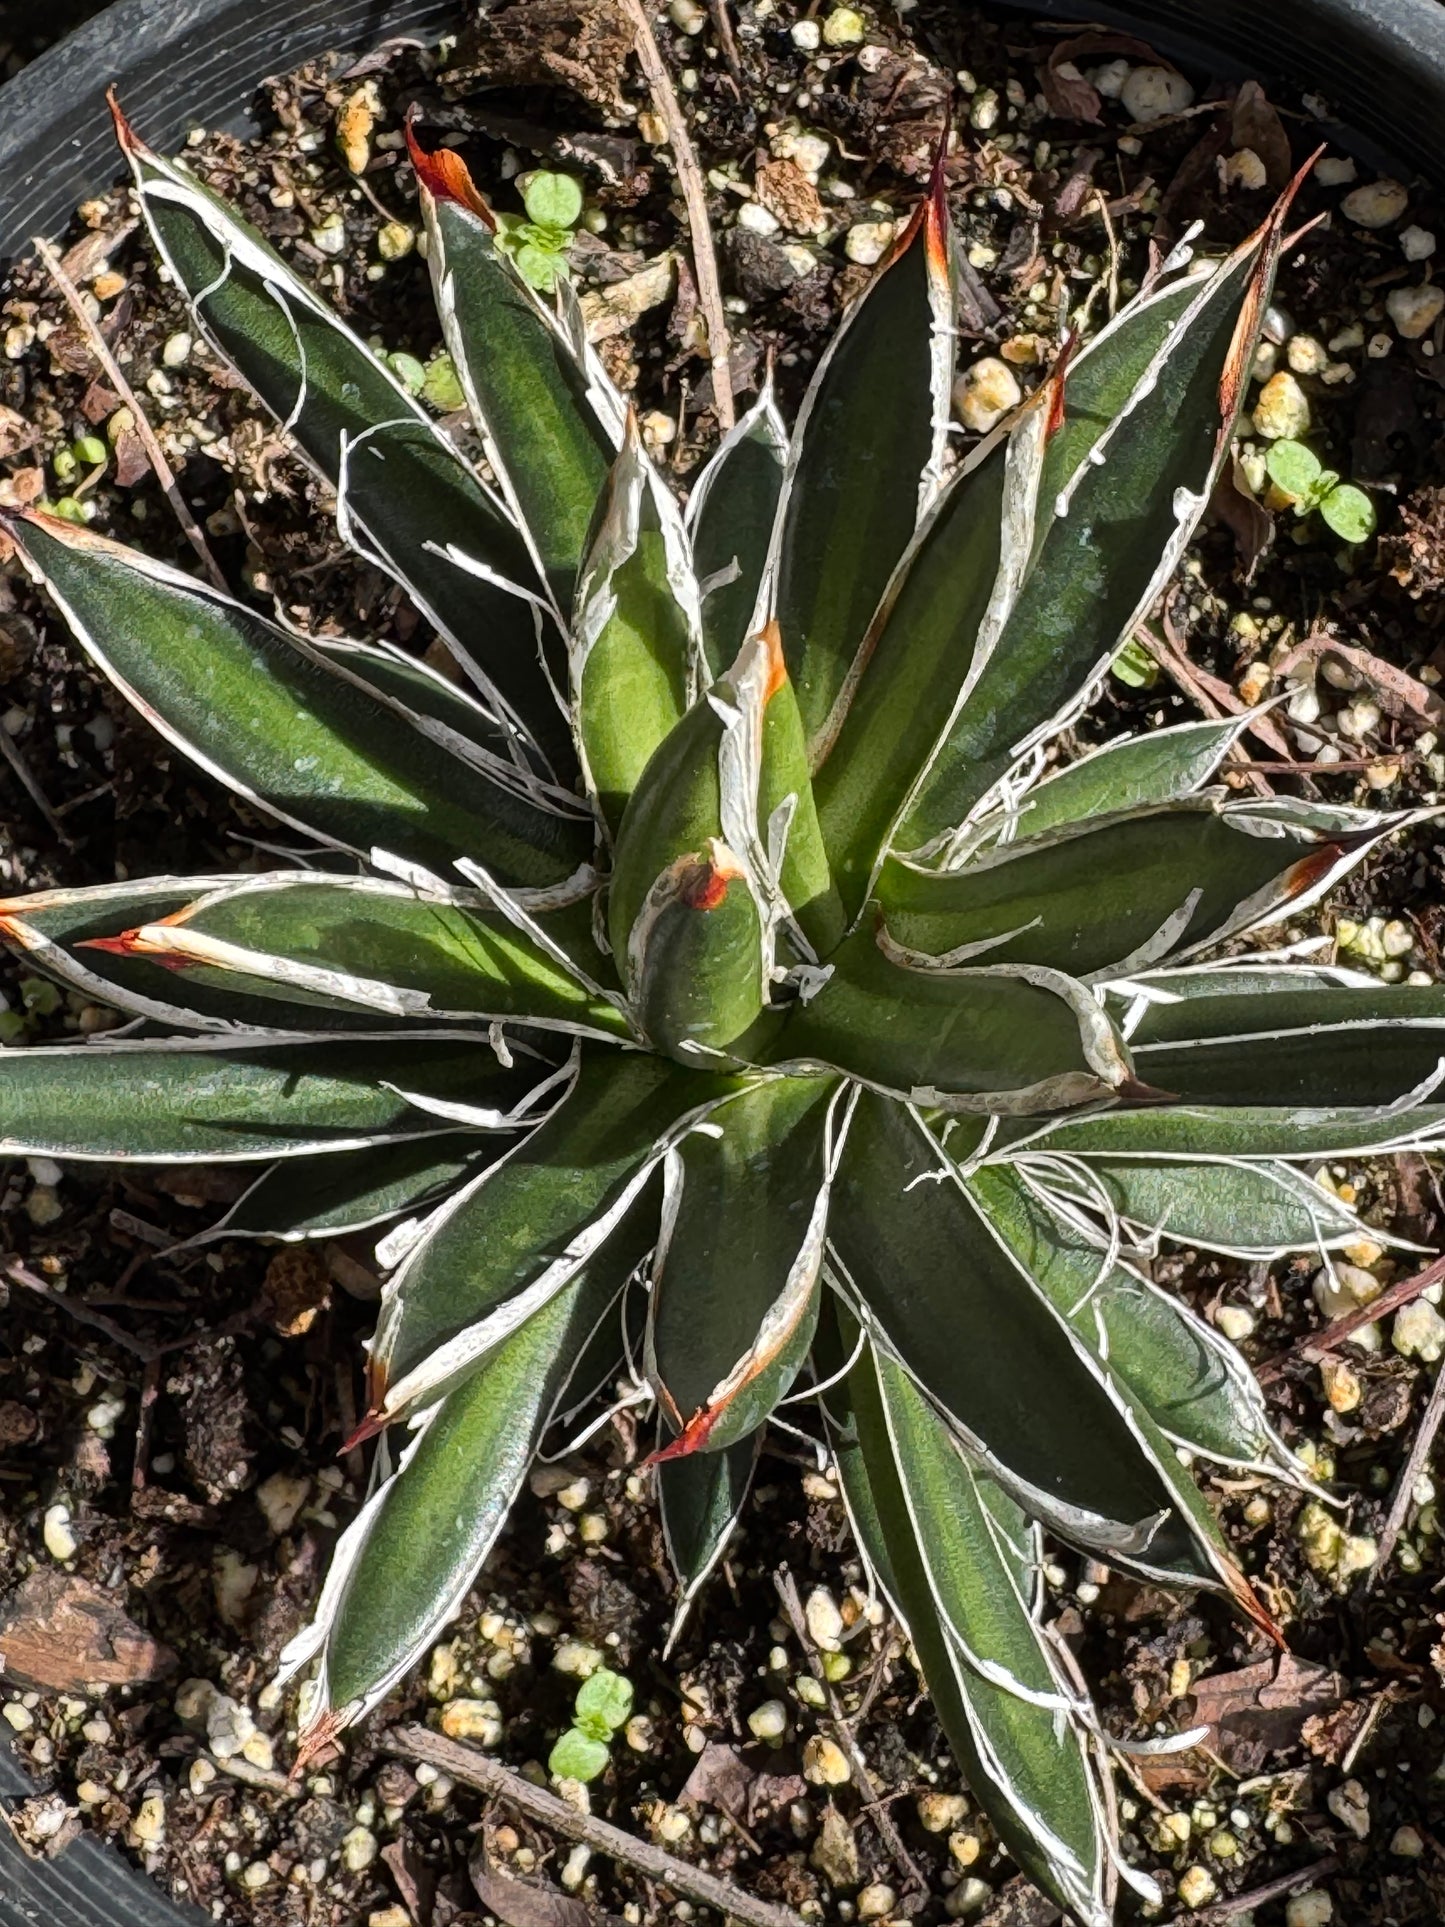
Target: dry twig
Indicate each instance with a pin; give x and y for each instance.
(1414, 1465)
(1235, 1904)
(689, 179)
(476, 1769)
(1333, 1336)
(18, 764)
(100, 348)
(877, 1812)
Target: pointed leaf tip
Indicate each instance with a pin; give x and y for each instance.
(771, 637)
(444, 175)
(128, 140)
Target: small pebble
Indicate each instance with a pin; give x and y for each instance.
(756, 218)
(17, 1717)
(937, 1812)
(1108, 80)
(477, 1720)
(1350, 1804)
(148, 1827)
(806, 36)
(395, 241)
(844, 28)
(769, 1721)
(1334, 170)
(867, 241)
(1235, 1322)
(968, 1897)
(825, 1622)
(1341, 1383)
(1197, 1886)
(1150, 93)
(1282, 410)
(1407, 1843)
(358, 1850)
(1416, 243)
(60, 1542)
(825, 1763)
(177, 350)
(876, 1901)
(985, 393)
(687, 16)
(1244, 170)
(1306, 355)
(330, 236)
(1419, 1332)
(1311, 1909)
(1375, 205)
(1415, 311)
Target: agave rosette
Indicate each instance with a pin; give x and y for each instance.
(711, 936)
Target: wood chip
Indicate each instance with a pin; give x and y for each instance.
(60, 1633)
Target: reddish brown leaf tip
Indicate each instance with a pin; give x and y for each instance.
(130, 944)
(127, 138)
(444, 176)
(373, 1423)
(1058, 377)
(692, 1438)
(318, 1741)
(772, 638)
(705, 889)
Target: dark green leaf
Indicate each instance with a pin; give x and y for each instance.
(530, 390)
(1149, 407)
(866, 455)
(730, 517)
(196, 1099)
(1137, 773)
(1009, 1039)
(936, 1290)
(357, 1189)
(289, 730)
(735, 1280)
(513, 1237)
(405, 494)
(700, 1498)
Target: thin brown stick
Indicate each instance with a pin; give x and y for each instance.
(723, 25)
(793, 1606)
(1258, 1896)
(11, 753)
(100, 348)
(1214, 697)
(1333, 1336)
(20, 1274)
(1414, 1465)
(476, 1769)
(689, 179)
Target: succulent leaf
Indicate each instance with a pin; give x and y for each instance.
(1135, 773)
(378, 945)
(865, 460)
(404, 494)
(198, 1099)
(356, 1190)
(546, 412)
(731, 1322)
(959, 1563)
(635, 643)
(730, 518)
(289, 730)
(700, 1498)
(1148, 410)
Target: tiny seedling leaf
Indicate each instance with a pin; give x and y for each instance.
(552, 200)
(577, 1757)
(604, 1701)
(1293, 468)
(1349, 512)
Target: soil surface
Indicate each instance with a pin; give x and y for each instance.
(170, 1415)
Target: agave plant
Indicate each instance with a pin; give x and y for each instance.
(713, 952)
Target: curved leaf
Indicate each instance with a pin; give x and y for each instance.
(736, 1276)
(285, 728)
(1134, 773)
(1009, 1039)
(700, 1499)
(1014, 1382)
(404, 1565)
(517, 1233)
(865, 460)
(356, 1189)
(363, 941)
(1123, 891)
(958, 1562)
(634, 641)
(190, 1100)
(405, 496)
(730, 516)
(535, 400)
(1149, 408)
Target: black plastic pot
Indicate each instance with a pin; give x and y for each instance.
(178, 64)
